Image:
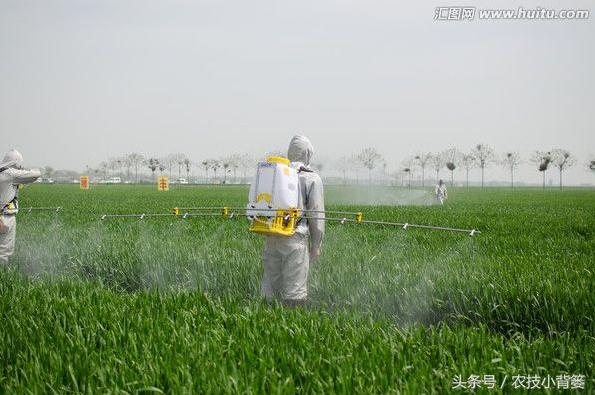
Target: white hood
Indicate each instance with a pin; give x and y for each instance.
(300, 150)
(13, 158)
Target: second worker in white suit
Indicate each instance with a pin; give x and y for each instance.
(11, 175)
(286, 260)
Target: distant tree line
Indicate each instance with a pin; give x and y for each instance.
(136, 167)
(481, 156)
(178, 165)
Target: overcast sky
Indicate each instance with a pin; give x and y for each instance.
(81, 81)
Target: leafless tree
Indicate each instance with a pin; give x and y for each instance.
(408, 168)
(207, 165)
(468, 162)
(95, 172)
(188, 165)
(234, 163)
(562, 159)
(343, 164)
(369, 158)
(115, 164)
(153, 164)
(135, 160)
(167, 163)
(484, 155)
(104, 167)
(422, 161)
(226, 164)
(215, 165)
(542, 160)
(511, 161)
(437, 162)
(452, 158)
(125, 163)
(173, 160)
(407, 171)
(356, 165)
(245, 162)
(592, 165)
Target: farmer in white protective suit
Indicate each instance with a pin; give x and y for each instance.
(11, 175)
(441, 192)
(286, 259)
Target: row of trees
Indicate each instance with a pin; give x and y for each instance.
(483, 156)
(229, 165)
(132, 164)
(480, 156)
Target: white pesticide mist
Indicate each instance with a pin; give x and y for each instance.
(379, 196)
(49, 249)
(40, 243)
(392, 278)
(367, 270)
(168, 261)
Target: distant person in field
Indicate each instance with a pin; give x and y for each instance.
(441, 192)
(11, 175)
(286, 260)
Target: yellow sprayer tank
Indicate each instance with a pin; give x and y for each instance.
(274, 197)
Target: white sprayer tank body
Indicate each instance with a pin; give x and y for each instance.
(275, 187)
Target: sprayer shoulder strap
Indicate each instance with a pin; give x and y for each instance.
(12, 207)
(304, 169)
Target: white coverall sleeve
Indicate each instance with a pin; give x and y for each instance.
(21, 176)
(316, 202)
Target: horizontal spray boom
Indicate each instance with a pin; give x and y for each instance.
(238, 212)
(30, 209)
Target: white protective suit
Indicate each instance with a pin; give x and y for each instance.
(11, 175)
(286, 259)
(441, 192)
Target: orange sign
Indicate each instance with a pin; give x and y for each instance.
(84, 182)
(163, 183)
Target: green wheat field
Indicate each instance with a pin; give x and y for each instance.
(172, 305)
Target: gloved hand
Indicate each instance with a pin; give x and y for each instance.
(314, 255)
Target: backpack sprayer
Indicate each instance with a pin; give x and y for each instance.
(273, 207)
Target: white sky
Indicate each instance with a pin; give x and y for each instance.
(81, 81)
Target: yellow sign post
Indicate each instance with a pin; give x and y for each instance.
(84, 182)
(163, 183)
